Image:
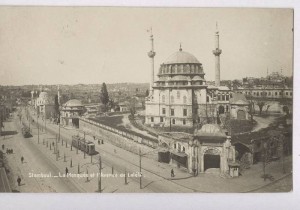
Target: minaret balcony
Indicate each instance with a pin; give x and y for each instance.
(217, 52)
(151, 54)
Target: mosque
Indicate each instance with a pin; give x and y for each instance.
(180, 95)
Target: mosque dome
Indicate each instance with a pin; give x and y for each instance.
(181, 57)
(73, 102)
(181, 63)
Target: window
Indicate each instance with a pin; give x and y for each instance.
(172, 99)
(163, 98)
(183, 122)
(269, 93)
(207, 99)
(291, 93)
(227, 97)
(280, 93)
(286, 93)
(172, 112)
(184, 99)
(275, 93)
(163, 110)
(152, 119)
(161, 119)
(178, 94)
(183, 149)
(223, 97)
(179, 147)
(184, 112)
(173, 121)
(219, 97)
(174, 146)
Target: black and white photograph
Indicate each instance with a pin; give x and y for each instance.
(105, 100)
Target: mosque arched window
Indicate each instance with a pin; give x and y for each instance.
(173, 69)
(192, 68)
(178, 70)
(196, 69)
(178, 94)
(184, 99)
(172, 99)
(163, 98)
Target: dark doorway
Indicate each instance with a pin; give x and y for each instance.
(75, 122)
(211, 161)
(221, 110)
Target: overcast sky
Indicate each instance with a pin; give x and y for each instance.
(68, 45)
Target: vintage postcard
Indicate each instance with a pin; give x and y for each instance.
(146, 100)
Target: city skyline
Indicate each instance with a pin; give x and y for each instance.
(68, 45)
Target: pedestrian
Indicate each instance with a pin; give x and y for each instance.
(67, 170)
(19, 181)
(172, 173)
(22, 159)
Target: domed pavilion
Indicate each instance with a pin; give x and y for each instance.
(70, 113)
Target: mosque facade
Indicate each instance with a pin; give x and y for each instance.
(180, 95)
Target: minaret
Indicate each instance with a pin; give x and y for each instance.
(151, 55)
(58, 95)
(217, 52)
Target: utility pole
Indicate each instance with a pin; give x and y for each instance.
(58, 131)
(84, 145)
(56, 147)
(45, 123)
(140, 154)
(99, 180)
(38, 127)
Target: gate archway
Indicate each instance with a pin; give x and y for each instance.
(212, 159)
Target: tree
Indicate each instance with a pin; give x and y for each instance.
(131, 107)
(104, 98)
(262, 102)
(56, 108)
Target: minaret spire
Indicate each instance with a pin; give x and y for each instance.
(58, 95)
(151, 55)
(217, 52)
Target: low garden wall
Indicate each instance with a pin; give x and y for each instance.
(119, 138)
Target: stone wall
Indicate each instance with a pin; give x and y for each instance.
(117, 137)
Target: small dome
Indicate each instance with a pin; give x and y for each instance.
(181, 57)
(197, 78)
(210, 130)
(73, 102)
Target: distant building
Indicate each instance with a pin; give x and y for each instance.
(44, 105)
(70, 113)
(239, 107)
